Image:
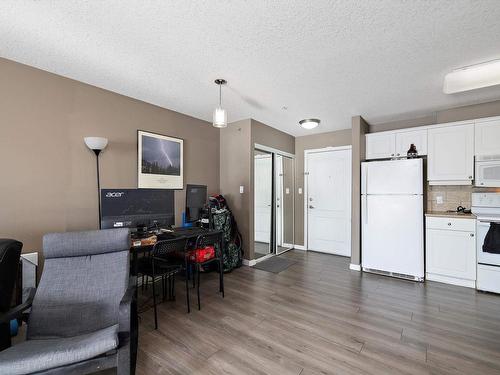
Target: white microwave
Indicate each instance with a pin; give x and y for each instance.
(487, 171)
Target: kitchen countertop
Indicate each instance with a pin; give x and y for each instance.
(457, 215)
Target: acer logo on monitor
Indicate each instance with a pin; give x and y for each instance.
(114, 194)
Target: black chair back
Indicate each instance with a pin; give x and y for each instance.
(207, 239)
(164, 249)
(10, 253)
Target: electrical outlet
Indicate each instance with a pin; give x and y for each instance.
(242, 189)
(300, 190)
(439, 199)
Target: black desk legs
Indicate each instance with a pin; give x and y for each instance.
(197, 268)
(154, 296)
(187, 282)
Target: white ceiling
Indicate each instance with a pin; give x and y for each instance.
(382, 59)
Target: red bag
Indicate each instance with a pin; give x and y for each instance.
(201, 255)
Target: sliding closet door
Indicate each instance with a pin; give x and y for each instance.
(284, 203)
(263, 199)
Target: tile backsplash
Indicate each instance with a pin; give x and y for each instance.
(452, 196)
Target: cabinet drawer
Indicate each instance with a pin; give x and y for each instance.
(445, 223)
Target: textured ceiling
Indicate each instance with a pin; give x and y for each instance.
(382, 59)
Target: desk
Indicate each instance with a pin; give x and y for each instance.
(191, 233)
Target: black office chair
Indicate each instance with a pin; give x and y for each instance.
(209, 239)
(166, 262)
(10, 253)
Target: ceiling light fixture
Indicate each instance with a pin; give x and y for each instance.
(220, 115)
(472, 77)
(309, 123)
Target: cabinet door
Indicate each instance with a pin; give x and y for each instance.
(487, 138)
(380, 145)
(451, 154)
(417, 137)
(451, 253)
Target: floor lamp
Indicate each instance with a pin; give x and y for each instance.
(97, 144)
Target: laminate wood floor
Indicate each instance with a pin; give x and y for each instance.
(318, 317)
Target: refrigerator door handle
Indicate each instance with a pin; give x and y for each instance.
(366, 180)
(366, 209)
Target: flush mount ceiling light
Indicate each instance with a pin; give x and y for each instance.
(472, 77)
(220, 115)
(309, 123)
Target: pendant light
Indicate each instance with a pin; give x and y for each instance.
(220, 115)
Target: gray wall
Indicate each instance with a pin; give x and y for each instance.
(309, 142)
(48, 181)
(235, 161)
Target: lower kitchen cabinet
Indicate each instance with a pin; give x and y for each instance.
(451, 251)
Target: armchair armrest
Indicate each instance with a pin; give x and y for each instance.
(17, 312)
(127, 306)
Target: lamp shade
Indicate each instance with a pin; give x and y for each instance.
(220, 118)
(96, 143)
(310, 123)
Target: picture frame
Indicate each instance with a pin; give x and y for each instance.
(160, 161)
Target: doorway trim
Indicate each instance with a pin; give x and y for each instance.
(275, 152)
(306, 192)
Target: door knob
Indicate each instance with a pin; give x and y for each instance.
(472, 234)
(311, 206)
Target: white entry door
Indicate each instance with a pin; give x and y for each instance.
(328, 207)
(263, 170)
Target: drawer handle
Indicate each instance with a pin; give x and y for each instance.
(449, 224)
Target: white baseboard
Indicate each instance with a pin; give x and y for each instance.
(299, 247)
(355, 267)
(249, 263)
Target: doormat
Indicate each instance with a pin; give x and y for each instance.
(274, 264)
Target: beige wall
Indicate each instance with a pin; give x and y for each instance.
(467, 112)
(235, 160)
(359, 129)
(48, 181)
(309, 142)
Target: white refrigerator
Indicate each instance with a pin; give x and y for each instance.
(392, 218)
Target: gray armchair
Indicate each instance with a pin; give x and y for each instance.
(83, 315)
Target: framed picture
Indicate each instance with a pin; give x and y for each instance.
(159, 161)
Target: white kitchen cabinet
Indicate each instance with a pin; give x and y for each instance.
(405, 139)
(487, 138)
(451, 251)
(450, 158)
(380, 145)
(386, 145)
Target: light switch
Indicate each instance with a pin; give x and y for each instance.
(300, 190)
(242, 189)
(439, 199)
(287, 191)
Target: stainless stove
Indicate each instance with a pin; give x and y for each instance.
(486, 207)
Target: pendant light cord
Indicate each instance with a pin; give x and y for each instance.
(220, 95)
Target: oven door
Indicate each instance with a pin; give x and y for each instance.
(487, 173)
(483, 257)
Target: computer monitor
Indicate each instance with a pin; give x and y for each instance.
(196, 198)
(131, 208)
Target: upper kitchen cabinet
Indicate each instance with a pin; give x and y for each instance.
(451, 155)
(487, 137)
(380, 145)
(395, 143)
(416, 137)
